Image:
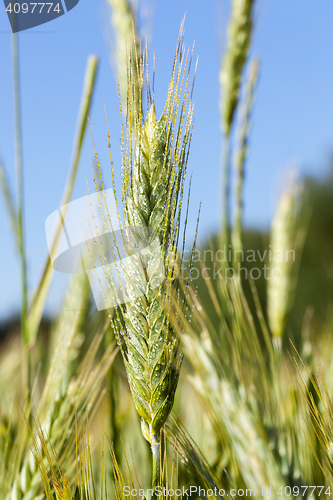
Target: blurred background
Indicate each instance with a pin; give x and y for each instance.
(292, 124)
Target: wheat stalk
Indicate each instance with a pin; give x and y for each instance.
(239, 39)
(236, 235)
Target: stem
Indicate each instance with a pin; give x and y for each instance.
(155, 451)
(236, 236)
(9, 200)
(20, 223)
(226, 189)
(113, 389)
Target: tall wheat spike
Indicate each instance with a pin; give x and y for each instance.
(284, 245)
(239, 39)
(238, 43)
(154, 161)
(247, 390)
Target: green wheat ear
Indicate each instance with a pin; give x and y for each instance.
(285, 240)
(153, 198)
(153, 359)
(154, 160)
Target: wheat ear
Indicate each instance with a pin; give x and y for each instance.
(153, 359)
(283, 242)
(154, 161)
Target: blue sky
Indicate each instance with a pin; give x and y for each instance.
(292, 123)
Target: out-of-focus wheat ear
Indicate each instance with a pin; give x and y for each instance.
(238, 43)
(240, 158)
(63, 401)
(284, 244)
(127, 44)
(65, 337)
(51, 471)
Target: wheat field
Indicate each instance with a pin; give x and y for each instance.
(193, 378)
